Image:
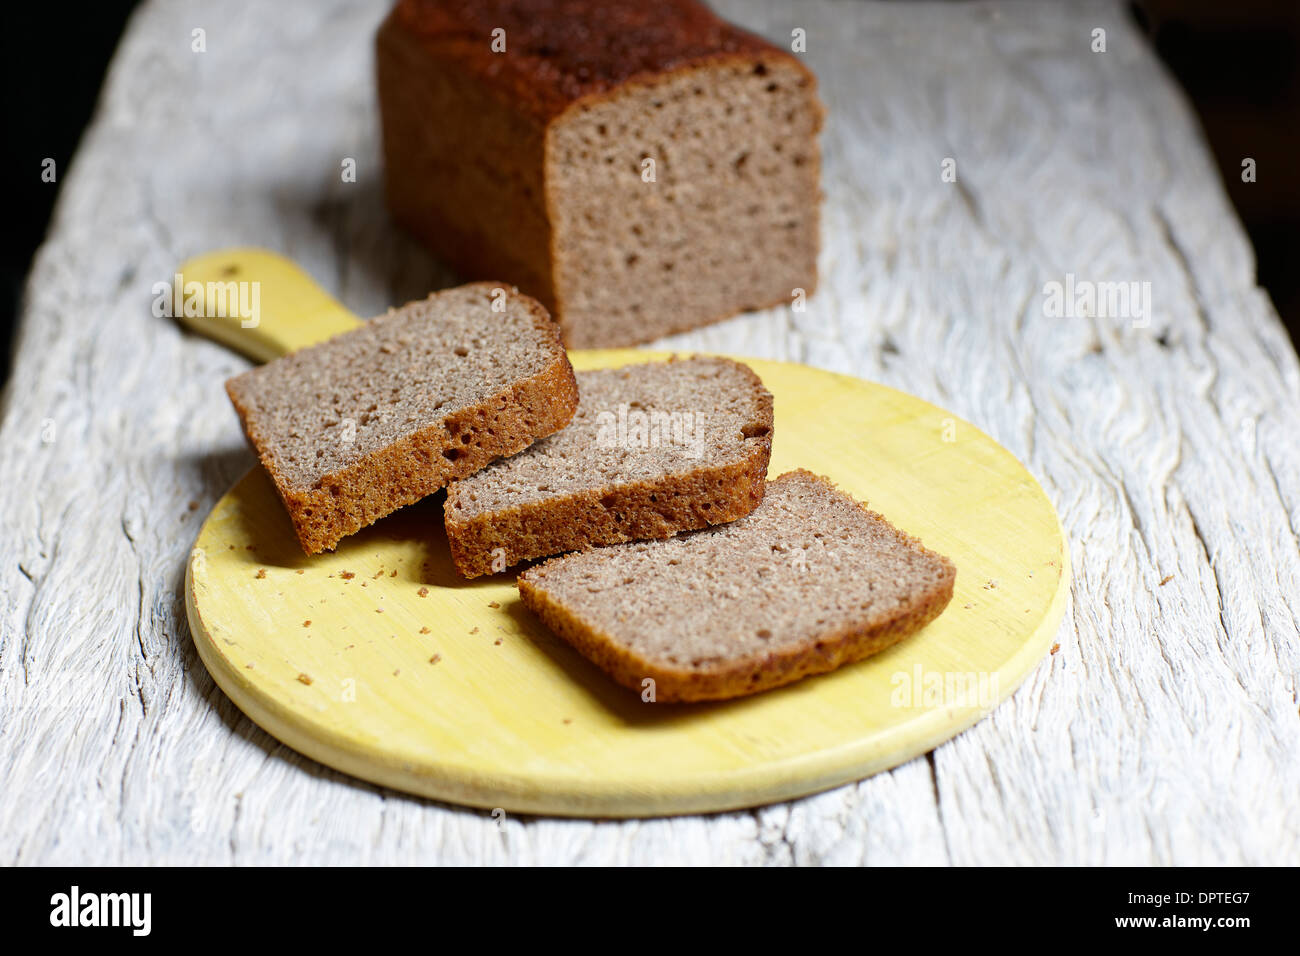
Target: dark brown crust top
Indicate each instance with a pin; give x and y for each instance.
(562, 51)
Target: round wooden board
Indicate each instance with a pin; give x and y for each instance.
(379, 661)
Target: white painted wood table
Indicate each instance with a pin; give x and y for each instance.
(1166, 728)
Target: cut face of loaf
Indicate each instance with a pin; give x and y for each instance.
(354, 428)
(642, 168)
(654, 449)
(809, 581)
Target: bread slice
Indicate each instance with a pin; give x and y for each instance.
(642, 168)
(371, 420)
(809, 581)
(654, 449)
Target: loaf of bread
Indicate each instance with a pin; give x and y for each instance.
(807, 582)
(641, 168)
(377, 418)
(654, 449)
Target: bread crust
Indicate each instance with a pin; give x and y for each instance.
(556, 60)
(748, 675)
(497, 229)
(419, 464)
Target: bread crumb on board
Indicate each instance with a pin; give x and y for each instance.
(424, 630)
(494, 604)
(347, 575)
(423, 592)
(304, 679)
(306, 623)
(1055, 648)
(261, 573)
(435, 658)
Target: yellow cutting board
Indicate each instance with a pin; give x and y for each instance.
(379, 661)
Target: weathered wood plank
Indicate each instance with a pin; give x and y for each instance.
(1165, 730)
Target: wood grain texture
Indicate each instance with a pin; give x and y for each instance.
(1164, 731)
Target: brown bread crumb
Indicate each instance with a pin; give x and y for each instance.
(377, 418)
(656, 448)
(809, 581)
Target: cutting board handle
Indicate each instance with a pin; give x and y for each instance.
(255, 301)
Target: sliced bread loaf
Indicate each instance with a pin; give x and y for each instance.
(371, 420)
(642, 168)
(654, 449)
(809, 581)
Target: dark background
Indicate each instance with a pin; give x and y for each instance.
(1237, 60)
